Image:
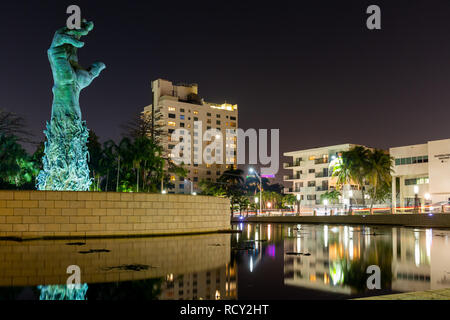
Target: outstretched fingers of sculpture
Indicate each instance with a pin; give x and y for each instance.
(86, 27)
(61, 39)
(96, 68)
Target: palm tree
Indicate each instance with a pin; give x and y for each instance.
(358, 158)
(122, 151)
(341, 167)
(232, 177)
(16, 166)
(289, 200)
(379, 175)
(331, 196)
(108, 158)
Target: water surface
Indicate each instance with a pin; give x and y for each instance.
(263, 261)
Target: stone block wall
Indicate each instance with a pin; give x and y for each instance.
(29, 214)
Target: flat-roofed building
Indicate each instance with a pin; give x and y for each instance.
(423, 169)
(311, 175)
(179, 107)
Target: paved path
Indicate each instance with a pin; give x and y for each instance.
(442, 294)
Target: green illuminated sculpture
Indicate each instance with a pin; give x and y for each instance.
(65, 163)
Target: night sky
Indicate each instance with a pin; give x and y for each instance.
(310, 68)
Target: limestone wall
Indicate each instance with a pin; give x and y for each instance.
(28, 214)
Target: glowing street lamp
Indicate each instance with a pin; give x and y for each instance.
(192, 185)
(298, 203)
(251, 170)
(325, 202)
(350, 195)
(416, 199)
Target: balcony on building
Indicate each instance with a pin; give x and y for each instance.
(322, 175)
(292, 177)
(293, 164)
(321, 161)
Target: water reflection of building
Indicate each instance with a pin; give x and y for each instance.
(415, 259)
(411, 259)
(420, 259)
(321, 269)
(215, 284)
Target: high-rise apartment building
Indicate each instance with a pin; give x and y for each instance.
(180, 107)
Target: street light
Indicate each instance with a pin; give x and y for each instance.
(298, 204)
(350, 195)
(416, 199)
(192, 185)
(251, 170)
(325, 202)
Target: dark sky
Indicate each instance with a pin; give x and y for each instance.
(310, 68)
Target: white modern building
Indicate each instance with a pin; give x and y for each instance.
(422, 169)
(179, 107)
(311, 175)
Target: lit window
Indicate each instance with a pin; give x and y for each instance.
(172, 178)
(312, 158)
(171, 123)
(171, 108)
(195, 112)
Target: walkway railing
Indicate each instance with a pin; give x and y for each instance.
(322, 211)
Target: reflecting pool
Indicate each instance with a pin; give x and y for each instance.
(262, 261)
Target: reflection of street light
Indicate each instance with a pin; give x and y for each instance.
(298, 203)
(251, 170)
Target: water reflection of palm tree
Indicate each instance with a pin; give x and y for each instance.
(355, 271)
